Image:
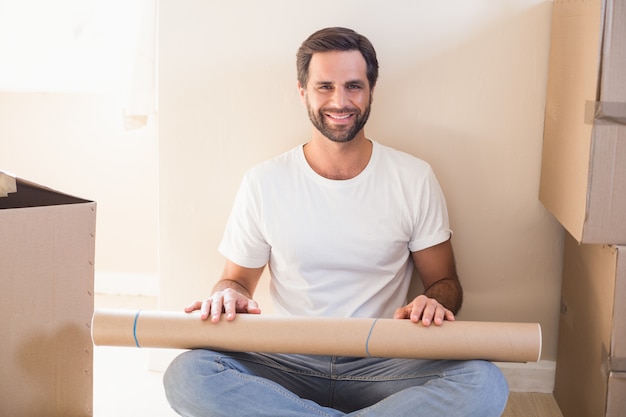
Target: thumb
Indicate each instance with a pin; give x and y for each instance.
(253, 307)
(401, 313)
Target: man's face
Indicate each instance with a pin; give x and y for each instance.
(338, 95)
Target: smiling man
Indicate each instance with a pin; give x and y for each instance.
(343, 104)
(341, 221)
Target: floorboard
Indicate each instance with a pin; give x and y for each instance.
(527, 404)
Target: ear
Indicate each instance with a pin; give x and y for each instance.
(302, 92)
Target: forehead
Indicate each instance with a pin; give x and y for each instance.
(337, 67)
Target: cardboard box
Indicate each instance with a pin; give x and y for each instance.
(591, 354)
(46, 285)
(616, 400)
(583, 170)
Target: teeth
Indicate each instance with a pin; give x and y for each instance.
(340, 117)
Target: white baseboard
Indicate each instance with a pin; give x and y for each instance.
(529, 377)
(126, 283)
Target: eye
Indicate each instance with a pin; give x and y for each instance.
(354, 86)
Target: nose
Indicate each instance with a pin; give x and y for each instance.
(339, 98)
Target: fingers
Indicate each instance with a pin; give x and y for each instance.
(228, 302)
(402, 312)
(428, 310)
(203, 306)
(433, 313)
(253, 307)
(193, 307)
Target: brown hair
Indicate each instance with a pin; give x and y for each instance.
(336, 39)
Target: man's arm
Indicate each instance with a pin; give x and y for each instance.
(232, 294)
(443, 294)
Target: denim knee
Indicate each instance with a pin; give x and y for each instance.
(181, 377)
(176, 370)
(174, 376)
(494, 385)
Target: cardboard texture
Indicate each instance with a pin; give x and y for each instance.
(591, 356)
(46, 281)
(503, 342)
(583, 169)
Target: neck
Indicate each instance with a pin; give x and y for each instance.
(338, 161)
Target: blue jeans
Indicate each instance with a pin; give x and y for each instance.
(203, 383)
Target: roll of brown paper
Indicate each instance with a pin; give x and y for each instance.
(494, 341)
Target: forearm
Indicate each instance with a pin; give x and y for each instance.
(448, 292)
(240, 279)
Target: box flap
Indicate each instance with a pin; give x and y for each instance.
(585, 327)
(22, 193)
(573, 78)
(7, 184)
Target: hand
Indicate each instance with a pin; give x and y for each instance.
(227, 301)
(427, 309)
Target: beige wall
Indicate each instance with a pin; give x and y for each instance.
(76, 143)
(462, 86)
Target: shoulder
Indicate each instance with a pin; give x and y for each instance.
(277, 173)
(402, 161)
(277, 165)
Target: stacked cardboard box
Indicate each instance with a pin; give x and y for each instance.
(590, 369)
(583, 184)
(583, 181)
(46, 285)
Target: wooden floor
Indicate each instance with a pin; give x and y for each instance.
(526, 404)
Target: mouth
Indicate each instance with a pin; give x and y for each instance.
(339, 117)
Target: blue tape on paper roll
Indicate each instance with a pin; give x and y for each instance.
(367, 341)
(135, 329)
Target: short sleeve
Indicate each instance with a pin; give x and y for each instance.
(243, 242)
(431, 224)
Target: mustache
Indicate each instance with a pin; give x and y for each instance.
(343, 110)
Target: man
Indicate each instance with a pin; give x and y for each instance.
(340, 221)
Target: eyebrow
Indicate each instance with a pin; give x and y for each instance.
(356, 82)
(351, 82)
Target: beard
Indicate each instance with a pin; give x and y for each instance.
(340, 134)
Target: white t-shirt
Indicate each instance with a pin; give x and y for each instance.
(336, 248)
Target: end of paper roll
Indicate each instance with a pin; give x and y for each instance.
(540, 342)
(93, 317)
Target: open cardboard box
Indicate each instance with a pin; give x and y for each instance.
(583, 170)
(47, 247)
(591, 355)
